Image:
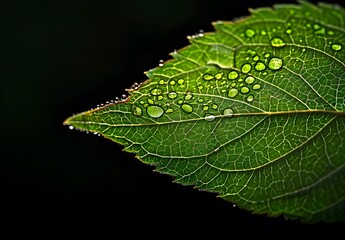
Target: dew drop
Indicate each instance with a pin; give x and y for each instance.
(233, 92)
(277, 42)
(161, 63)
(288, 31)
(219, 75)
(172, 82)
(250, 32)
(71, 127)
(228, 112)
(180, 101)
(246, 68)
(188, 96)
(260, 66)
(161, 82)
(208, 77)
(263, 32)
(209, 117)
(256, 58)
(169, 110)
(137, 111)
(233, 84)
(244, 90)
(275, 64)
(336, 47)
(123, 97)
(200, 100)
(214, 106)
(156, 91)
(160, 98)
(200, 87)
(205, 108)
(330, 33)
(180, 81)
(232, 75)
(150, 101)
(187, 108)
(250, 98)
(267, 55)
(154, 111)
(172, 95)
(256, 86)
(249, 80)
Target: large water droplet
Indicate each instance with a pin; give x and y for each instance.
(249, 32)
(228, 112)
(260, 66)
(172, 95)
(246, 68)
(249, 80)
(232, 75)
(209, 117)
(137, 111)
(336, 47)
(156, 91)
(275, 63)
(233, 92)
(187, 108)
(154, 111)
(277, 42)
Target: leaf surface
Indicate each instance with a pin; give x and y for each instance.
(254, 111)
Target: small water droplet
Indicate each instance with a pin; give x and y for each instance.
(208, 77)
(214, 106)
(180, 81)
(172, 95)
(156, 91)
(303, 50)
(187, 108)
(232, 75)
(263, 32)
(249, 80)
(233, 92)
(267, 55)
(288, 31)
(246, 68)
(188, 96)
(277, 42)
(228, 112)
(209, 117)
(275, 64)
(336, 47)
(123, 97)
(330, 33)
(137, 111)
(169, 110)
(200, 100)
(71, 127)
(160, 97)
(161, 82)
(205, 108)
(161, 63)
(219, 75)
(154, 111)
(260, 66)
(150, 101)
(244, 90)
(172, 82)
(256, 86)
(180, 101)
(256, 58)
(250, 98)
(249, 32)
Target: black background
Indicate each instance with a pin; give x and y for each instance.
(63, 57)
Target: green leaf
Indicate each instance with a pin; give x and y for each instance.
(254, 111)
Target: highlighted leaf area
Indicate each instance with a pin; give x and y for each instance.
(254, 111)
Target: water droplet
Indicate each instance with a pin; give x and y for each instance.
(123, 97)
(214, 106)
(275, 63)
(263, 32)
(172, 82)
(228, 112)
(232, 75)
(71, 127)
(150, 101)
(267, 55)
(219, 75)
(277, 42)
(233, 92)
(250, 32)
(250, 80)
(188, 96)
(156, 91)
(260, 66)
(180, 81)
(169, 110)
(161, 82)
(246, 68)
(244, 90)
(160, 98)
(205, 108)
(137, 111)
(200, 100)
(208, 77)
(256, 86)
(330, 33)
(303, 50)
(250, 98)
(180, 101)
(200, 87)
(209, 117)
(336, 47)
(154, 111)
(288, 31)
(161, 63)
(187, 108)
(256, 58)
(172, 95)
(233, 84)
